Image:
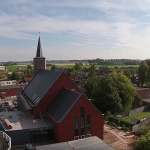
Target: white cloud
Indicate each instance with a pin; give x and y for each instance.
(124, 35)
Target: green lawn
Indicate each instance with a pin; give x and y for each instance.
(141, 115)
(13, 68)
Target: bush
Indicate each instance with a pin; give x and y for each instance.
(125, 128)
(113, 124)
(120, 122)
(143, 143)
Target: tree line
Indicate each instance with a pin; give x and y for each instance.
(99, 61)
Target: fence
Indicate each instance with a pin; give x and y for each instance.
(6, 138)
(138, 110)
(141, 125)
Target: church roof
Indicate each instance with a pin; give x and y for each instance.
(39, 85)
(63, 104)
(39, 49)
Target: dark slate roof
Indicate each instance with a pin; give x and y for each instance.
(62, 104)
(39, 49)
(135, 121)
(39, 85)
(91, 143)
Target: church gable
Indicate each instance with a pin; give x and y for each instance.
(39, 85)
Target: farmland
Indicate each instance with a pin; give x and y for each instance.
(13, 68)
(24, 67)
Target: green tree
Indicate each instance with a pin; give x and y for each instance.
(126, 89)
(113, 92)
(143, 143)
(92, 70)
(9, 76)
(29, 69)
(15, 76)
(128, 74)
(1, 77)
(91, 85)
(21, 76)
(70, 71)
(143, 72)
(53, 67)
(29, 72)
(80, 63)
(106, 96)
(85, 69)
(148, 62)
(132, 72)
(77, 66)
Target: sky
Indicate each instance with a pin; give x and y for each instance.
(75, 29)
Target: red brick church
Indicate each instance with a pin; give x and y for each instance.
(52, 96)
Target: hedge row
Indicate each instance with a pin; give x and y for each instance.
(119, 121)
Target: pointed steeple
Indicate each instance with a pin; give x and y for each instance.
(39, 49)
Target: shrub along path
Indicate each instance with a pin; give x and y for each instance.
(118, 139)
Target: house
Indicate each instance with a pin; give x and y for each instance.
(79, 79)
(142, 94)
(65, 70)
(9, 82)
(82, 75)
(103, 71)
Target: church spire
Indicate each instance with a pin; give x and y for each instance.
(39, 60)
(39, 49)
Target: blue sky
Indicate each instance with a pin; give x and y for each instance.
(75, 29)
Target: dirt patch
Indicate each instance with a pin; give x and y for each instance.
(109, 138)
(118, 139)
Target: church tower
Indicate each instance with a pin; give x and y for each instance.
(39, 60)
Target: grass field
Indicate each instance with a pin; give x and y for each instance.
(23, 67)
(13, 68)
(141, 115)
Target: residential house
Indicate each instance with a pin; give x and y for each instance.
(142, 94)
